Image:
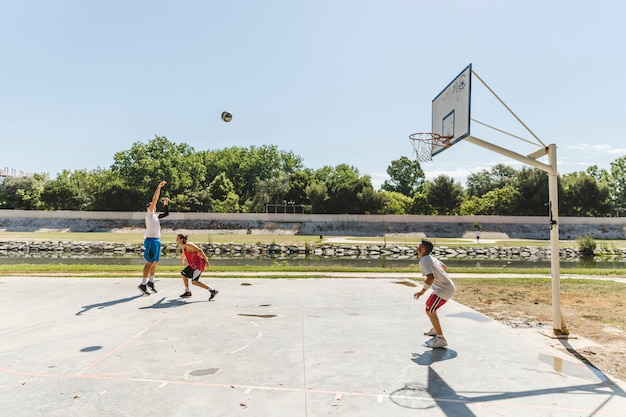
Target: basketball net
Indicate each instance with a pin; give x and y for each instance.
(426, 144)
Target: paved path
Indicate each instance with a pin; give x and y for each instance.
(275, 347)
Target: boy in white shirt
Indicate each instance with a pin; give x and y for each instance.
(442, 290)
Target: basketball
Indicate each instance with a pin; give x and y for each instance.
(226, 116)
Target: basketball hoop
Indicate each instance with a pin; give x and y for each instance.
(426, 145)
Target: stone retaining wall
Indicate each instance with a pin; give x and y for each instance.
(9, 248)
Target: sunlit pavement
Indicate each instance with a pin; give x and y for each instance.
(276, 347)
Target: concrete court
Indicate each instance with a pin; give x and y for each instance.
(289, 347)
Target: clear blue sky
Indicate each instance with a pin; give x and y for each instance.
(333, 81)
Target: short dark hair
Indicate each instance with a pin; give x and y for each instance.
(183, 237)
(428, 245)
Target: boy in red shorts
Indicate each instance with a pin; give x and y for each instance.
(443, 288)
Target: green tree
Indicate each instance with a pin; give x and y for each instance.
(405, 176)
(503, 202)
(349, 193)
(196, 201)
(480, 183)
(584, 196)
(224, 199)
(617, 182)
(394, 202)
(63, 193)
(272, 191)
(420, 204)
(144, 165)
(444, 195)
(298, 183)
(317, 194)
(532, 184)
(22, 193)
(245, 167)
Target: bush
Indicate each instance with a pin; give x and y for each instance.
(586, 246)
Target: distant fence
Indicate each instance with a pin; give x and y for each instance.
(526, 227)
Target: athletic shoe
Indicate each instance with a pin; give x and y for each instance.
(186, 294)
(431, 332)
(143, 289)
(151, 287)
(213, 294)
(439, 342)
(429, 341)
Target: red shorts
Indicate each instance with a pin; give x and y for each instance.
(434, 302)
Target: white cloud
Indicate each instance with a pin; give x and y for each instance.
(601, 147)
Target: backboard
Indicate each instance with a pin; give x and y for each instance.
(451, 110)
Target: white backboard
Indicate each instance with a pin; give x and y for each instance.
(451, 109)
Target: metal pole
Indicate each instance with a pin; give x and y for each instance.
(557, 325)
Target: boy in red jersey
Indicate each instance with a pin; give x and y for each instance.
(196, 263)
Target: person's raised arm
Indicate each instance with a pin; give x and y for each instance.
(155, 196)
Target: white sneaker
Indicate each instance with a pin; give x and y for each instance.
(429, 341)
(431, 332)
(438, 342)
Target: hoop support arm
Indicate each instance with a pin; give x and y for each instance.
(514, 155)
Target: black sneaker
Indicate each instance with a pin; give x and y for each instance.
(143, 289)
(213, 294)
(186, 294)
(151, 287)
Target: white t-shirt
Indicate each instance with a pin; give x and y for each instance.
(442, 285)
(153, 225)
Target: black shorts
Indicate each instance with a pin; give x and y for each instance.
(192, 274)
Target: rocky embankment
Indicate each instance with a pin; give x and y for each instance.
(338, 250)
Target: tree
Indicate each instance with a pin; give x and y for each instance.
(480, 183)
(246, 167)
(272, 191)
(349, 193)
(145, 165)
(223, 196)
(405, 176)
(503, 202)
(420, 204)
(395, 203)
(196, 201)
(116, 195)
(444, 196)
(317, 194)
(63, 193)
(617, 182)
(22, 193)
(532, 184)
(298, 183)
(584, 196)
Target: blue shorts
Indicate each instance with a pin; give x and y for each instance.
(152, 249)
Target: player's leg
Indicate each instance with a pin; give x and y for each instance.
(156, 257)
(434, 320)
(186, 274)
(152, 249)
(432, 306)
(151, 275)
(196, 281)
(143, 288)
